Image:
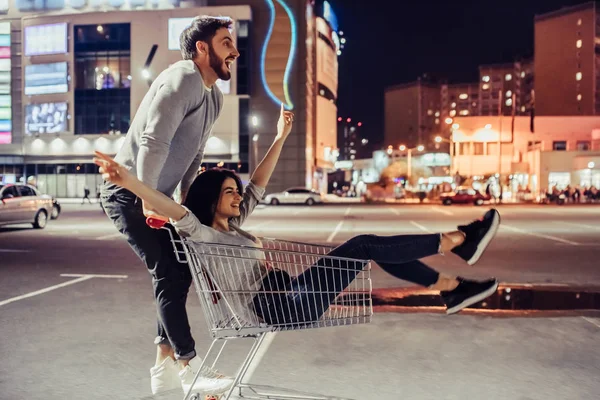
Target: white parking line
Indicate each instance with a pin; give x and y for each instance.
(46, 290)
(591, 321)
(347, 211)
(95, 276)
(421, 227)
(78, 278)
(111, 236)
(540, 235)
(442, 211)
(336, 230)
(578, 225)
(394, 210)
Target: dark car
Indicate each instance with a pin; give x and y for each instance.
(464, 195)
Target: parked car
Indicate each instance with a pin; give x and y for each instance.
(464, 195)
(297, 195)
(24, 204)
(55, 209)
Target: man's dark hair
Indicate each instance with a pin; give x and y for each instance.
(203, 28)
(204, 193)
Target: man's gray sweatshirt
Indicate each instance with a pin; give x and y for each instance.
(165, 142)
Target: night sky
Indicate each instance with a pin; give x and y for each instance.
(393, 41)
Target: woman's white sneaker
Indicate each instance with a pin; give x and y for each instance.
(164, 377)
(209, 381)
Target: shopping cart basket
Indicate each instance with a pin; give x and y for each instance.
(305, 294)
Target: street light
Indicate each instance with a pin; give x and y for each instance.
(409, 157)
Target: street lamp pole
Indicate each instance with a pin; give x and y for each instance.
(500, 144)
(409, 158)
(254, 121)
(439, 139)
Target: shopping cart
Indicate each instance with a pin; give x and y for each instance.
(222, 275)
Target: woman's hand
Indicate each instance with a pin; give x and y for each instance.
(112, 171)
(284, 125)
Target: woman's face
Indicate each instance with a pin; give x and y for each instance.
(229, 201)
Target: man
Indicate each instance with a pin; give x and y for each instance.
(164, 148)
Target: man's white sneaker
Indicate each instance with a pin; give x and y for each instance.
(164, 377)
(209, 381)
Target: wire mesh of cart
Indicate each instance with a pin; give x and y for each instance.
(255, 292)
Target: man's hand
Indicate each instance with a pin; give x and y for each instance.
(284, 125)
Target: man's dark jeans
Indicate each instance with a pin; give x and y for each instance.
(170, 278)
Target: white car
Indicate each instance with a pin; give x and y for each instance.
(295, 195)
(24, 204)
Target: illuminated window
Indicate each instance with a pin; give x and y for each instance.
(437, 113)
(437, 121)
(579, 43)
(508, 102)
(579, 97)
(523, 109)
(507, 77)
(453, 113)
(578, 76)
(453, 105)
(508, 93)
(485, 86)
(464, 112)
(523, 74)
(463, 96)
(429, 112)
(486, 78)
(579, 21)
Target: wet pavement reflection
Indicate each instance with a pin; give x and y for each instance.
(506, 298)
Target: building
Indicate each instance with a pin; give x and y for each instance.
(460, 99)
(456, 99)
(72, 77)
(526, 73)
(502, 84)
(352, 143)
(562, 151)
(412, 113)
(567, 61)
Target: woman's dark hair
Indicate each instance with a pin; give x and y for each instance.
(202, 28)
(204, 193)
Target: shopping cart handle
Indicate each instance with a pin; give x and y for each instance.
(156, 221)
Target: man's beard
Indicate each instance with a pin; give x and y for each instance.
(218, 65)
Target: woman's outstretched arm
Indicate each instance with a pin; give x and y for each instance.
(264, 170)
(119, 175)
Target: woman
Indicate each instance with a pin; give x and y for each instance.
(216, 206)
